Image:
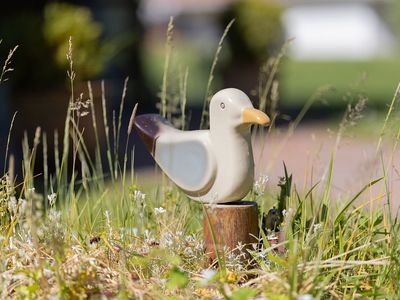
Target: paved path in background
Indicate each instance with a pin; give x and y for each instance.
(307, 154)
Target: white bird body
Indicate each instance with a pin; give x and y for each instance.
(211, 166)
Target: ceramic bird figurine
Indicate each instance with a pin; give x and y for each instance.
(211, 166)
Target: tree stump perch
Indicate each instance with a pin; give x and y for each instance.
(231, 223)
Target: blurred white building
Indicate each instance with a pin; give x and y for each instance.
(337, 30)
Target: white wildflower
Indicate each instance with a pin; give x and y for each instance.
(260, 184)
(22, 205)
(135, 231)
(54, 216)
(190, 238)
(316, 227)
(12, 204)
(75, 248)
(159, 210)
(92, 261)
(288, 213)
(188, 251)
(148, 237)
(80, 105)
(8, 184)
(30, 193)
(207, 275)
(139, 196)
(83, 113)
(240, 246)
(86, 103)
(306, 297)
(167, 239)
(52, 199)
(47, 273)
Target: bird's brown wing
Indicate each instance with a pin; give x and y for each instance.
(149, 127)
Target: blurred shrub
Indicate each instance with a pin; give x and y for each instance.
(184, 55)
(90, 55)
(31, 63)
(258, 28)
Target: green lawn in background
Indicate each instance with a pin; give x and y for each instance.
(298, 80)
(378, 79)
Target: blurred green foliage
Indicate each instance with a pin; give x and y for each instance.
(31, 63)
(177, 279)
(91, 55)
(257, 29)
(184, 55)
(42, 36)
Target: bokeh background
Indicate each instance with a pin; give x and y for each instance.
(333, 51)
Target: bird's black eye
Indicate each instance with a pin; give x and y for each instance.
(222, 104)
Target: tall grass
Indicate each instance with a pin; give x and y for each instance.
(96, 234)
(207, 94)
(168, 50)
(7, 68)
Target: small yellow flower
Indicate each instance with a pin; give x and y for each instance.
(231, 277)
(203, 292)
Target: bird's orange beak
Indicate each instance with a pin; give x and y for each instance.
(254, 116)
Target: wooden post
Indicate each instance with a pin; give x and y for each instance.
(231, 223)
